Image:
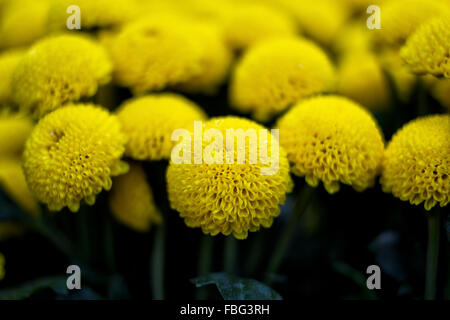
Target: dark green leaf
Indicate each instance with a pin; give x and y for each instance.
(57, 284)
(234, 288)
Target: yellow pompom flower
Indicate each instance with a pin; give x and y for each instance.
(12, 181)
(428, 49)
(93, 14)
(14, 130)
(148, 123)
(2, 266)
(400, 18)
(229, 198)
(416, 167)
(246, 24)
(319, 19)
(334, 140)
(354, 37)
(131, 200)
(57, 70)
(277, 73)
(8, 62)
(361, 78)
(71, 155)
(155, 52)
(22, 22)
(215, 62)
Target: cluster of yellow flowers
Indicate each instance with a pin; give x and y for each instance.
(279, 55)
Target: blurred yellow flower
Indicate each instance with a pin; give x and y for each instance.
(439, 89)
(319, 19)
(352, 38)
(8, 62)
(400, 18)
(403, 80)
(2, 266)
(14, 130)
(215, 63)
(58, 70)
(155, 52)
(428, 49)
(228, 198)
(93, 14)
(361, 78)
(12, 181)
(334, 140)
(131, 200)
(148, 123)
(277, 73)
(22, 22)
(72, 154)
(247, 24)
(416, 167)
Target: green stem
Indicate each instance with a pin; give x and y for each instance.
(434, 225)
(256, 251)
(230, 254)
(157, 263)
(286, 236)
(109, 244)
(205, 263)
(83, 233)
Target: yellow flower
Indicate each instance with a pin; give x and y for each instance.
(215, 63)
(2, 266)
(362, 79)
(428, 49)
(131, 200)
(12, 181)
(22, 22)
(403, 80)
(8, 62)
(94, 14)
(14, 130)
(400, 18)
(229, 198)
(156, 52)
(149, 121)
(10, 230)
(247, 24)
(416, 167)
(58, 70)
(72, 154)
(334, 140)
(277, 73)
(354, 37)
(319, 19)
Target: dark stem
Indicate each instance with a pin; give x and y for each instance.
(157, 263)
(434, 226)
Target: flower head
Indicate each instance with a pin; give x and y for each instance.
(57, 70)
(155, 52)
(428, 49)
(94, 14)
(246, 24)
(216, 61)
(319, 19)
(22, 22)
(334, 140)
(14, 130)
(361, 78)
(416, 167)
(13, 183)
(400, 18)
(277, 73)
(149, 121)
(131, 200)
(8, 62)
(229, 198)
(72, 154)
